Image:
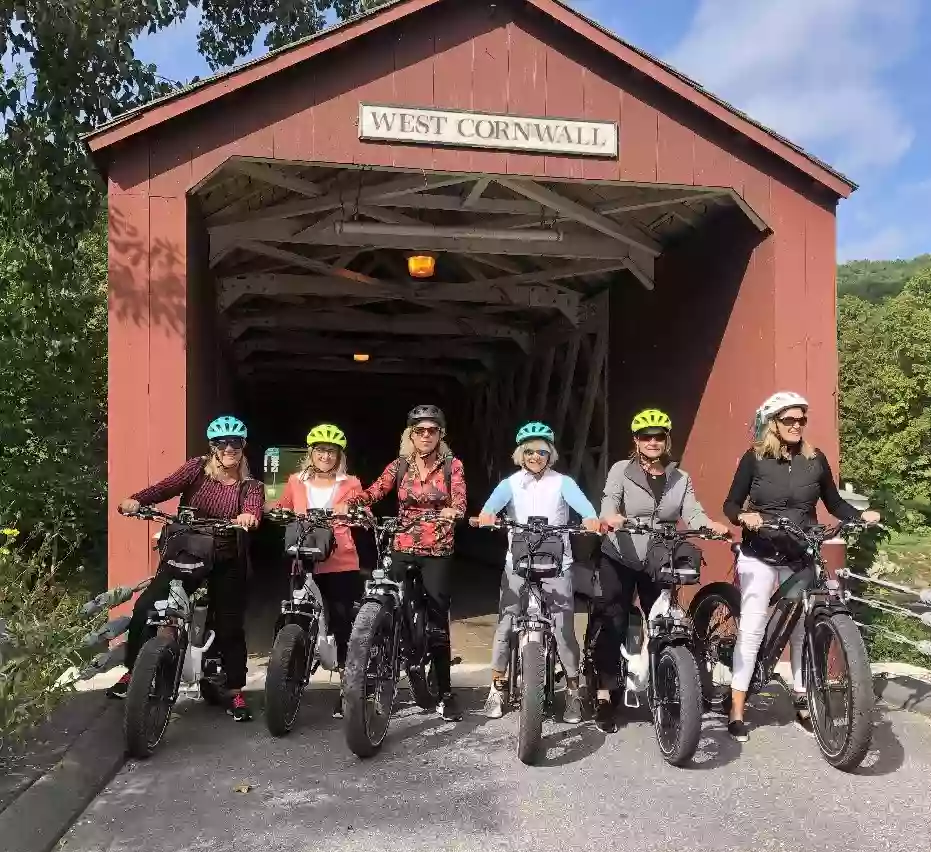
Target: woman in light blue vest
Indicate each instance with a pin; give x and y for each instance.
(537, 489)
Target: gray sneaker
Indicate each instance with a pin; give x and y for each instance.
(573, 712)
(494, 704)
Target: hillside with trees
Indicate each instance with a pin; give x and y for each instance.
(876, 280)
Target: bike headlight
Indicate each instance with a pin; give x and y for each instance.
(300, 595)
(378, 573)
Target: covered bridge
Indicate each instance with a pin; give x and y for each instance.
(606, 234)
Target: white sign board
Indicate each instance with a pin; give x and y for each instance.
(488, 130)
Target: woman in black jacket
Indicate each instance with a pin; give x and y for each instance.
(781, 476)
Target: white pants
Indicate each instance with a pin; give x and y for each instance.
(758, 581)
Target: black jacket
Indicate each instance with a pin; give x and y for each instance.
(783, 488)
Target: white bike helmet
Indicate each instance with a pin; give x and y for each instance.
(773, 406)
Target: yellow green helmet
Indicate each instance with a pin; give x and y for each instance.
(326, 433)
(651, 418)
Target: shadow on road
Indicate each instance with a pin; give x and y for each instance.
(886, 754)
(571, 745)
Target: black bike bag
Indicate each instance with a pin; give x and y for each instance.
(673, 563)
(318, 544)
(540, 554)
(186, 554)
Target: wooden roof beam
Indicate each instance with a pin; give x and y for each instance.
(323, 365)
(275, 177)
(570, 209)
(360, 321)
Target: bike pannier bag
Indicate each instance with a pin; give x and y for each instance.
(186, 554)
(673, 563)
(547, 551)
(318, 543)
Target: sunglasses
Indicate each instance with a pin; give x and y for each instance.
(543, 454)
(425, 431)
(789, 422)
(660, 438)
(232, 443)
(326, 450)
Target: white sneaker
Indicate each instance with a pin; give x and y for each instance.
(494, 704)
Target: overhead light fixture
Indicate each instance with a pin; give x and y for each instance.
(421, 265)
(450, 232)
(361, 357)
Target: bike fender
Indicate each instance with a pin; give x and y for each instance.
(821, 607)
(531, 636)
(385, 599)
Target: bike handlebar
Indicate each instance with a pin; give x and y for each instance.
(669, 530)
(150, 513)
(815, 534)
(505, 523)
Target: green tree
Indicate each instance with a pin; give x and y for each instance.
(877, 280)
(885, 393)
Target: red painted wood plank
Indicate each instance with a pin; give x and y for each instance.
(376, 70)
(211, 145)
(821, 318)
(639, 134)
(167, 335)
(713, 166)
(526, 89)
(565, 98)
(127, 386)
(293, 132)
(490, 86)
(452, 83)
(129, 173)
(675, 160)
(602, 103)
(170, 160)
(413, 84)
(787, 218)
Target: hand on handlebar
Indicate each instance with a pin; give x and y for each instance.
(129, 507)
(246, 520)
(484, 519)
(871, 517)
(614, 521)
(592, 525)
(448, 514)
(719, 529)
(751, 520)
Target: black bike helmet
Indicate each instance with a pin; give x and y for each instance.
(426, 412)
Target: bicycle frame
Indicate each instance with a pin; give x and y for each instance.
(819, 593)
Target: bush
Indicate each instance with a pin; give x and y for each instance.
(41, 633)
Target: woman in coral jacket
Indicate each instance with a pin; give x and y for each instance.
(323, 484)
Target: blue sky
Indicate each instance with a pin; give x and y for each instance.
(849, 80)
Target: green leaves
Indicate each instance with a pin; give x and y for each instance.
(885, 399)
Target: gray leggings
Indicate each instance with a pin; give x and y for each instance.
(559, 599)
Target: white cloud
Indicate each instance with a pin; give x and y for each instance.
(887, 244)
(810, 69)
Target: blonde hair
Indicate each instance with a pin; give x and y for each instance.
(406, 450)
(307, 464)
(214, 469)
(771, 446)
(664, 459)
(534, 444)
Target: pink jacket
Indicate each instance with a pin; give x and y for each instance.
(294, 497)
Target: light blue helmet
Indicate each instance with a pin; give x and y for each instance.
(535, 429)
(227, 427)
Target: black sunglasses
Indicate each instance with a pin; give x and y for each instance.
(223, 443)
(789, 422)
(651, 436)
(425, 431)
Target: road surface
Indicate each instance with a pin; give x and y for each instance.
(216, 786)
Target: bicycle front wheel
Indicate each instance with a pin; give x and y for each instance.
(369, 680)
(839, 683)
(532, 701)
(677, 707)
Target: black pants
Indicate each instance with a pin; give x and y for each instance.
(226, 589)
(340, 590)
(437, 576)
(611, 613)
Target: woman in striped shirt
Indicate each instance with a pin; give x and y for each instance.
(217, 485)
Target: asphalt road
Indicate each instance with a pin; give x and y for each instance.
(444, 787)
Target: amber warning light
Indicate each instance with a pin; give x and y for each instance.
(421, 265)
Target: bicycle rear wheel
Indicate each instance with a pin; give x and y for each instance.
(715, 613)
(839, 683)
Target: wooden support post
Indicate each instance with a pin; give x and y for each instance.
(565, 383)
(592, 387)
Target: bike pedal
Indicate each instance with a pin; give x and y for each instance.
(560, 676)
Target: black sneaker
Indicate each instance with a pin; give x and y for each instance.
(338, 708)
(738, 729)
(803, 714)
(573, 712)
(238, 708)
(605, 719)
(120, 688)
(449, 708)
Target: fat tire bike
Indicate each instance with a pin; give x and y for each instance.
(390, 633)
(301, 637)
(178, 648)
(835, 664)
(532, 674)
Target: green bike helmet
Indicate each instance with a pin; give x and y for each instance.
(326, 433)
(227, 427)
(651, 418)
(535, 429)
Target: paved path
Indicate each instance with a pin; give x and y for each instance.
(444, 787)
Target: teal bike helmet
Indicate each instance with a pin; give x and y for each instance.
(227, 427)
(535, 429)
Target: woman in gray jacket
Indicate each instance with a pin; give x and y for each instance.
(647, 488)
